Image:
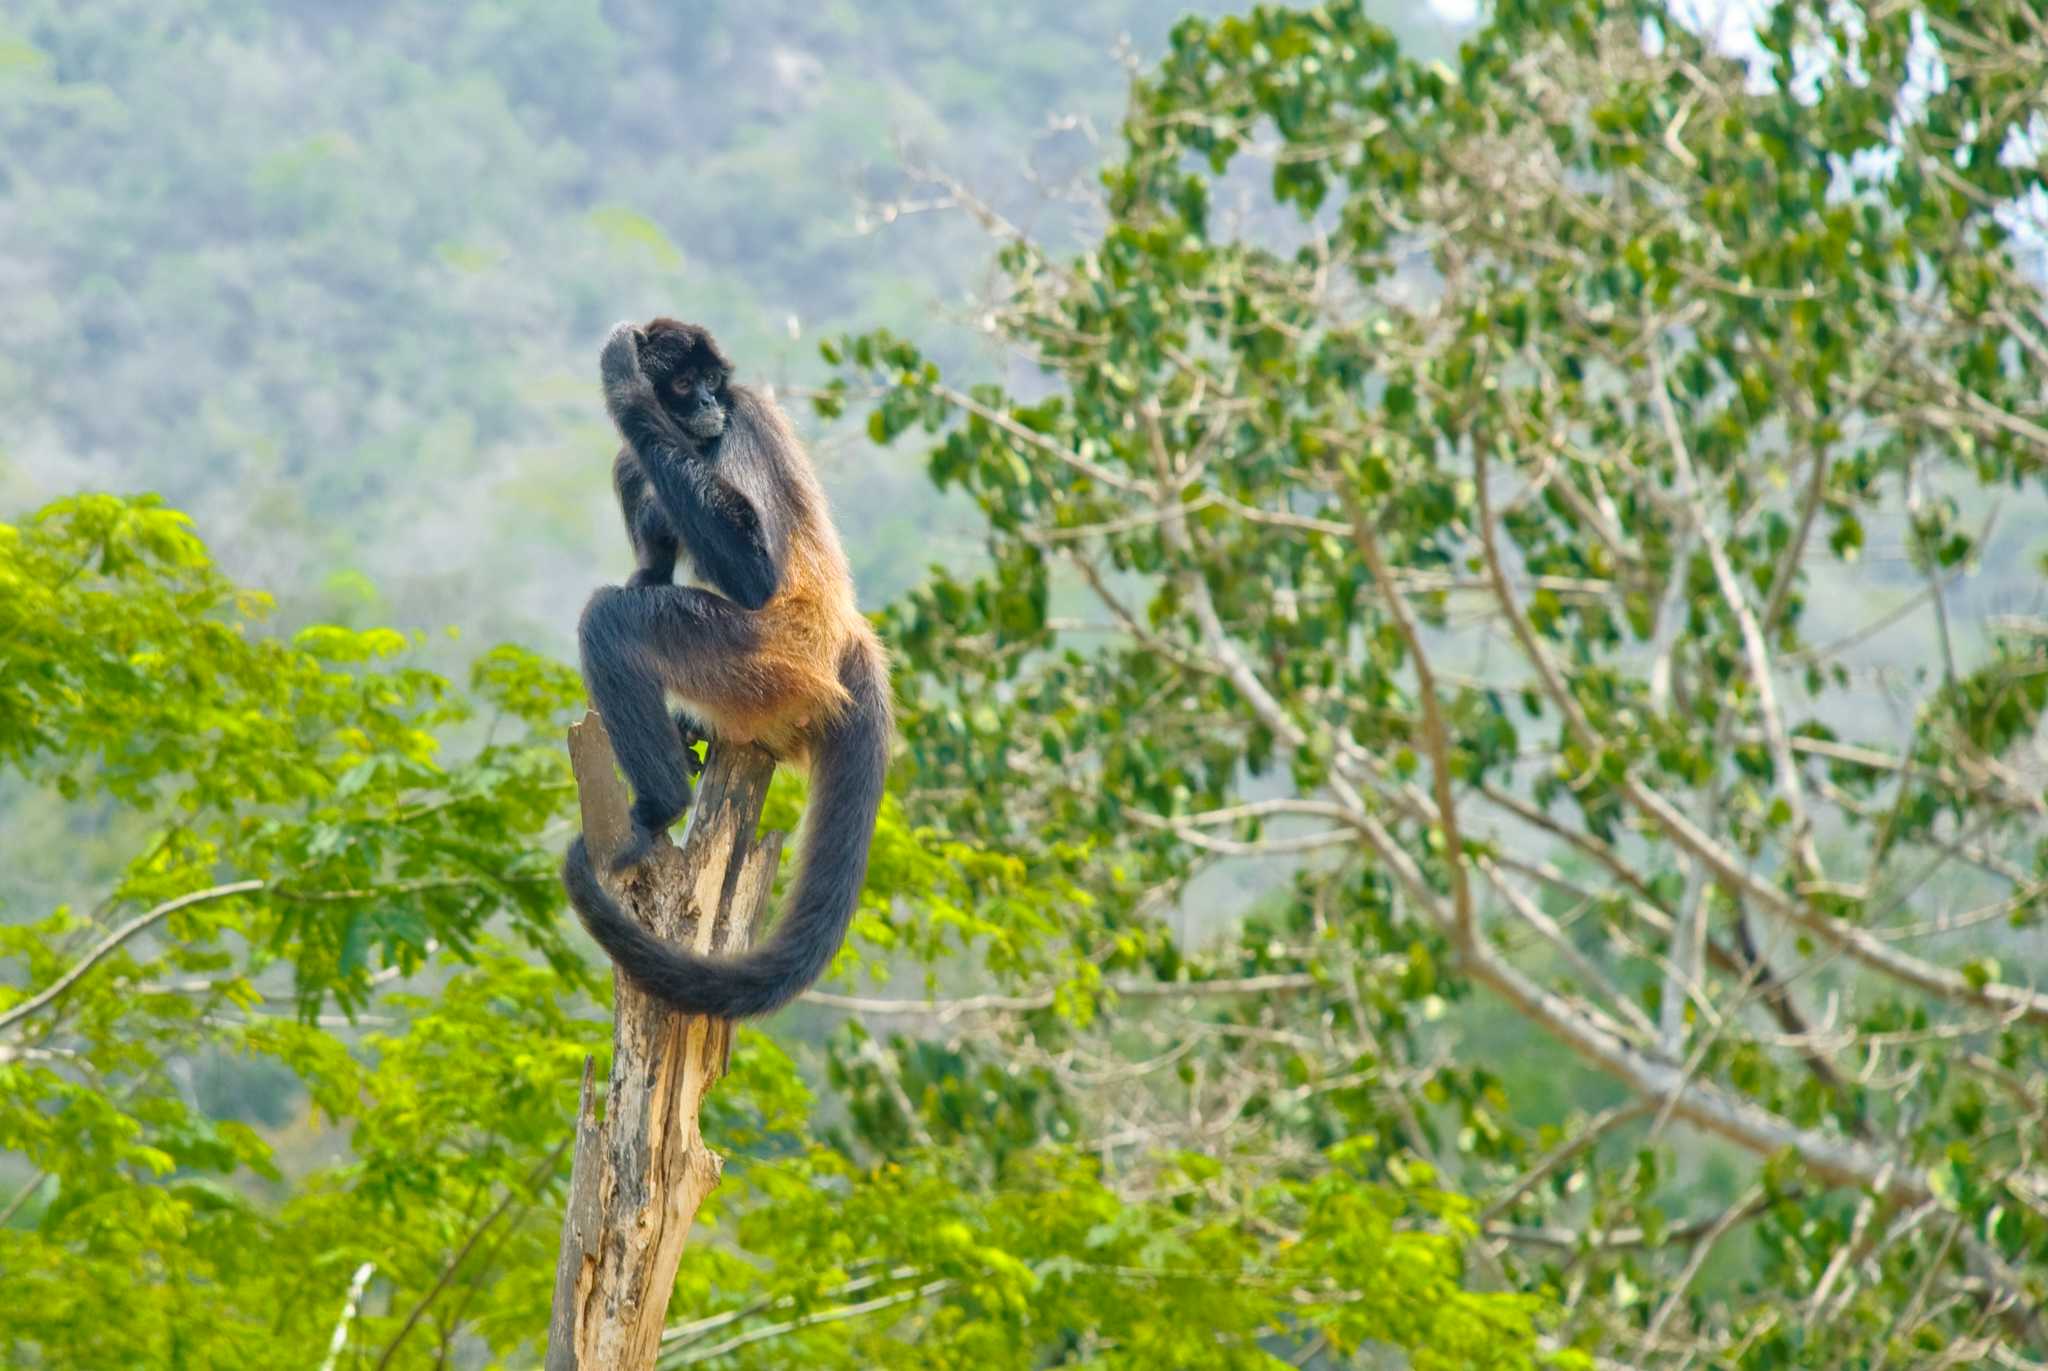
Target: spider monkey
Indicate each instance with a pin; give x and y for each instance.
(770, 648)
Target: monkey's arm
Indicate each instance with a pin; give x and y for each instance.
(654, 542)
(719, 526)
(727, 538)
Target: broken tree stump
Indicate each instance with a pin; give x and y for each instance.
(642, 1172)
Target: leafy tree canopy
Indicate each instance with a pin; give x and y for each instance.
(1473, 494)
(214, 1143)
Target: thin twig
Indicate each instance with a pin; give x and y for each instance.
(534, 1178)
(1752, 1204)
(788, 1326)
(1597, 1127)
(21, 1197)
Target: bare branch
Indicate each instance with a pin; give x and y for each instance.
(1547, 928)
(1859, 943)
(681, 1334)
(1190, 832)
(107, 945)
(349, 1305)
(1094, 471)
(22, 1196)
(1754, 647)
(1435, 737)
(1572, 1239)
(1751, 1204)
(947, 1010)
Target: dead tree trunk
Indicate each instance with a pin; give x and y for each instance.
(640, 1174)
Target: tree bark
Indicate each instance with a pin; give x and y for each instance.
(642, 1172)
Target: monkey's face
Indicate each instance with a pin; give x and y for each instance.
(695, 397)
(689, 373)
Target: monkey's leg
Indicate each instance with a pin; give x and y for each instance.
(636, 644)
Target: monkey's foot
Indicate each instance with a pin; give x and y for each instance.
(639, 847)
(646, 826)
(692, 733)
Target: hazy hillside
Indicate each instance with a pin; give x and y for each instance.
(334, 282)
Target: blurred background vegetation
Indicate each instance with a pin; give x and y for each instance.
(331, 279)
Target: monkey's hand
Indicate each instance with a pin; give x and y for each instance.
(620, 364)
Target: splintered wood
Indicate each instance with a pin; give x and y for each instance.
(641, 1173)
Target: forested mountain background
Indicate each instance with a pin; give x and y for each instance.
(332, 278)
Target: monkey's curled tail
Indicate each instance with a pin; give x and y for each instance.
(848, 763)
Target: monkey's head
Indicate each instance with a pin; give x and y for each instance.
(690, 373)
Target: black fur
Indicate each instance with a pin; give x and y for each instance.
(628, 640)
(678, 486)
(848, 764)
(647, 528)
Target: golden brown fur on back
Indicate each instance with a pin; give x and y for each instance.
(793, 685)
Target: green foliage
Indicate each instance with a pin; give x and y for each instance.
(293, 809)
(290, 807)
(1479, 508)
(1049, 1264)
(312, 765)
